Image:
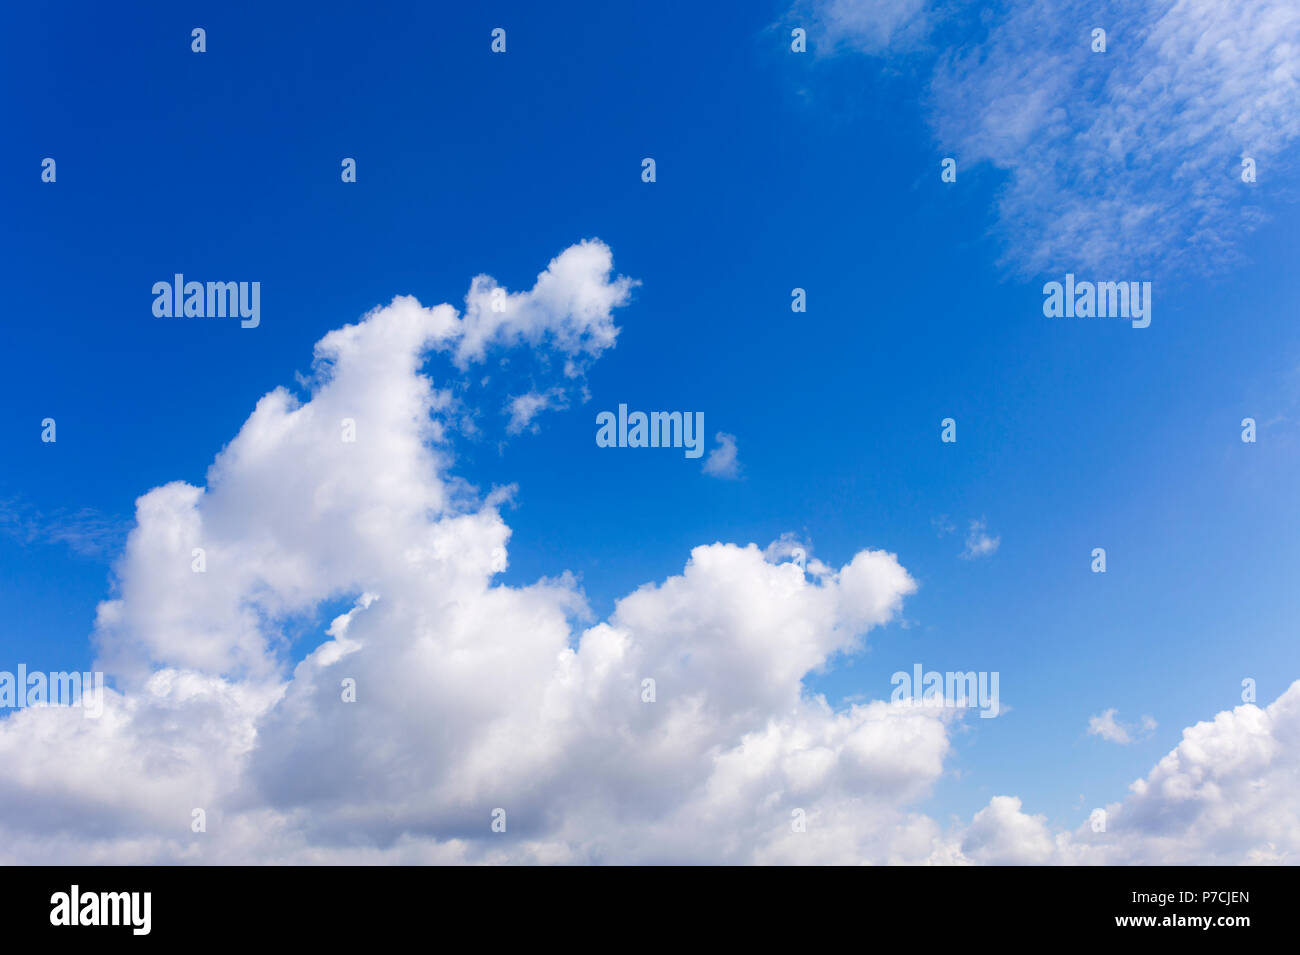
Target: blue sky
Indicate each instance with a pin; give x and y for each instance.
(774, 171)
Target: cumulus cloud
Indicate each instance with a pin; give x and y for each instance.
(1228, 794)
(1109, 728)
(570, 308)
(1001, 834)
(723, 461)
(677, 729)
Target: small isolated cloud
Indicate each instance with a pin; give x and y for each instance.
(723, 461)
(569, 309)
(524, 408)
(979, 543)
(1108, 728)
(942, 526)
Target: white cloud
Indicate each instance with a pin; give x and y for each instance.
(472, 695)
(1125, 163)
(942, 525)
(1108, 728)
(569, 308)
(524, 408)
(869, 27)
(723, 460)
(1228, 794)
(1000, 834)
(979, 543)
(85, 531)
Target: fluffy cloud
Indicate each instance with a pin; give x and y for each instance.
(1001, 834)
(676, 730)
(570, 308)
(1228, 794)
(470, 695)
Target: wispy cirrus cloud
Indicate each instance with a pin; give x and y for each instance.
(867, 27)
(85, 531)
(1124, 161)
